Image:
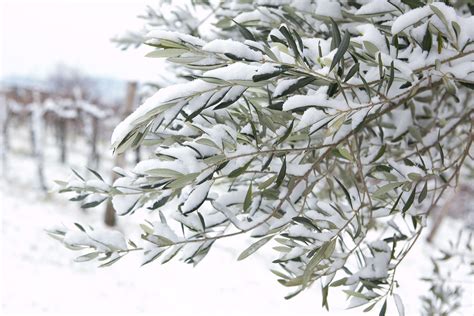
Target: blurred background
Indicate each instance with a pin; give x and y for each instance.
(65, 83)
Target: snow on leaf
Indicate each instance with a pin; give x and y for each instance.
(403, 119)
(175, 37)
(232, 48)
(318, 100)
(163, 100)
(233, 72)
(329, 8)
(375, 7)
(197, 197)
(409, 18)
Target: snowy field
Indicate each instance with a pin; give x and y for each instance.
(39, 276)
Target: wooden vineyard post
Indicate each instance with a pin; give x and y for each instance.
(4, 144)
(119, 160)
(62, 135)
(38, 130)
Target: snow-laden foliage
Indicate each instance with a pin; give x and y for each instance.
(327, 130)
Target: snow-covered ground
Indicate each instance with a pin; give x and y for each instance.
(38, 274)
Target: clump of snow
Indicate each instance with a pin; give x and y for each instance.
(102, 240)
(252, 16)
(329, 8)
(145, 166)
(372, 35)
(283, 85)
(98, 184)
(297, 169)
(162, 229)
(197, 196)
(310, 117)
(232, 47)
(175, 37)
(358, 117)
(154, 104)
(377, 267)
(402, 120)
(267, 68)
(409, 18)
(233, 72)
(375, 7)
(94, 198)
(319, 100)
(301, 231)
(124, 202)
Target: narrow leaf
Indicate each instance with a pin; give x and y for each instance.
(248, 198)
(341, 50)
(423, 192)
(409, 201)
(254, 247)
(399, 304)
(281, 174)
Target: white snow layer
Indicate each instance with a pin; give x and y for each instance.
(409, 18)
(101, 239)
(375, 7)
(235, 71)
(235, 48)
(153, 105)
(402, 120)
(175, 37)
(123, 203)
(329, 8)
(197, 196)
(377, 267)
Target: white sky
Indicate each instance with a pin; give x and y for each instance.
(37, 35)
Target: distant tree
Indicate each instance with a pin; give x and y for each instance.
(65, 79)
(69, 82)
(328, 129)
